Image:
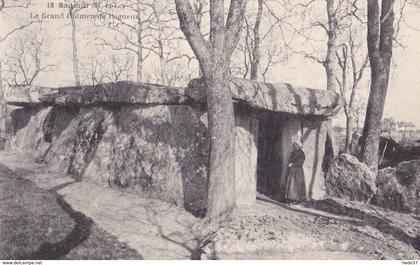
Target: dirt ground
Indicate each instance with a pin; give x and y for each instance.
(39, 224)
(155, 229)
(327, 229)
(125, 225)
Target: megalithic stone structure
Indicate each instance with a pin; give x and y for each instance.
(152, 140)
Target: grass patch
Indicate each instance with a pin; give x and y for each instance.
(39, 224)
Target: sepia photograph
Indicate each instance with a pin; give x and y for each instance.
(285, 130)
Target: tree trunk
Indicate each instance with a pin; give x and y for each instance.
(349, 132)
(198, 16)
(372, 126)
(139, 74)
(163, 71)
(75, 55)
(164, 80)
(330, 62)
(380, 33)
(221, 196)
(214, 58)
(3, 107)
(256, 53)
(163, 63)
(330, 70)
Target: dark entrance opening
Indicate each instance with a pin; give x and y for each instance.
(270, 158)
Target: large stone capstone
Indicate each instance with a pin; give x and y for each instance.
(107, 94)
(27, 95)
(279, 97)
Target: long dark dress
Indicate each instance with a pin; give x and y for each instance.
(295, 183)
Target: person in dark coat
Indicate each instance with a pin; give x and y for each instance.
(295, 182)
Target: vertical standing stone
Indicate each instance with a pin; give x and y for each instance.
(29, 140)
(314, 135)
(246, 141)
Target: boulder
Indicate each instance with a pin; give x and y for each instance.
(280, 97)
(350, 179)
(399, 187)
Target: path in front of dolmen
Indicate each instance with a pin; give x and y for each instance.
(157, 230)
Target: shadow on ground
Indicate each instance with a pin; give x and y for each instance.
(81, 231)
(40, 224)
(358, 217)
(382, 224)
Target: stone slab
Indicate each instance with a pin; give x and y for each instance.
(246, 142)
(104, 94)
(278, 97)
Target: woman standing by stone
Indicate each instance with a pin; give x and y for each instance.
(295, 183)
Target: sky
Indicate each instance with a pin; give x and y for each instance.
(403, 98)
(403, 95)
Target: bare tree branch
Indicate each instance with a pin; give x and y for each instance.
(24, 60)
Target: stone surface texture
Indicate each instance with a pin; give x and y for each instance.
(399, 187)
(26, 95)
(350, 179)
(163, 150)
(246, 142)
(314, 134)
(281, 97)
(158, 151)
(110, 93)
(325, 229)
(31, 127)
